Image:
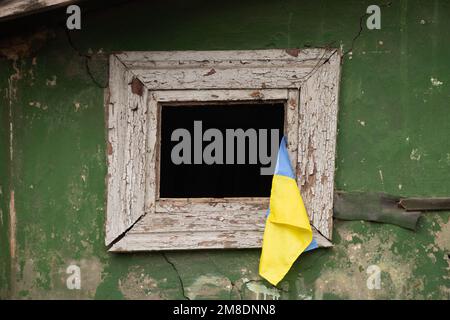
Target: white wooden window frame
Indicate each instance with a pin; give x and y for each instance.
(137, 219)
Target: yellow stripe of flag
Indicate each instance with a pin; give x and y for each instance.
(288, 232)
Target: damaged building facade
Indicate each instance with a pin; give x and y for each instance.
(392, 139)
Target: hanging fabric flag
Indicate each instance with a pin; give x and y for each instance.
(287, 233)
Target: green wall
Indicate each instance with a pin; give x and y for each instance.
(5, 256)
(394, 126)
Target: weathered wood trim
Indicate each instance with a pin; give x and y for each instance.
(317, 142)
(227, 78)
(162, 59)
(292, 125)
(247, 69)
(152, 151)
(192, 240)
(173, 96)
(168, 205)
(10, 9)
(127, 138)
(188, 241)
(307, 80)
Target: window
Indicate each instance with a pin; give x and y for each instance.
(221, 176)
(156, 204)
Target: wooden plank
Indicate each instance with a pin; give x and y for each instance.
(291, 125)
(188, 241)
(148, 241)
(317, 143)
(201, 221)
(152, 148)
(174, 96)
(229, 78)
(211, 204)
(276, 57)
(10, 9)
(127, 123)
(246, 69)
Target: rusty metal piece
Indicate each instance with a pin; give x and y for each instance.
(137, 87)
(257, 94)
(109, 148)
(210, 72)
(377, 207)
(293, 52)
(425, 204)
(385, 208)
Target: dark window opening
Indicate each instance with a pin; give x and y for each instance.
(217, 180)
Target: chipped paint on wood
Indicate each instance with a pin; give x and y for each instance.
(126, 171)
(14, 8)
(310, 74)
(317, 142)
(222, 69)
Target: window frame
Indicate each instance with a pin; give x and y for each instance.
(307, 81)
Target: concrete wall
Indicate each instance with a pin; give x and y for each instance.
(394, 127)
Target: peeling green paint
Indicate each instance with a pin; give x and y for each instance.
(5, 260)
(389, 107)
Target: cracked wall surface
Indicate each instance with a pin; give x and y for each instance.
(393, 137)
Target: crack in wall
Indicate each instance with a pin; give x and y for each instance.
(359, 33)
(87, 58)
(183, 291)
(233, 286)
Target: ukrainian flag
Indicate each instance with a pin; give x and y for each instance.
(287, 233)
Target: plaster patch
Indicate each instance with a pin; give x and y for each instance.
(442, 237)
(415, 155)
(348, 278)
(31, 281)
(51, 82)
(138, 285)
(435, 82)
(303, 293)
(209, 286)
(432, 257)
(445, 292)
(263, 292)
(36, 104)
